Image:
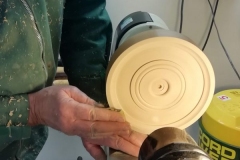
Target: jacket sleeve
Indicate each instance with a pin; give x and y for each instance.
(85, 45)
(14, 110)
(20, 71)
(13, 119)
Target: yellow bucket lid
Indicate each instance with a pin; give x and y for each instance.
(222, 118)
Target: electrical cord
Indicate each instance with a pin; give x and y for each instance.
(210, 29)
(181, 18)
(225, 51)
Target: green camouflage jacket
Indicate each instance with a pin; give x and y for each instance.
(32, 33)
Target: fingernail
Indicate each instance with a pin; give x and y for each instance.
(127, 127)
(114, 109)
(124, 132)
(123, 116)
(99, 105)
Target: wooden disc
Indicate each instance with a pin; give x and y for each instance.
(160, 82)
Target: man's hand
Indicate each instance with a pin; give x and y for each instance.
(129, 144)
(69, 110)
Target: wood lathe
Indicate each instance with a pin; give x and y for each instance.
(162, 82)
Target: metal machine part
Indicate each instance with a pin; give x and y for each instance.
(171, 144)
(178, 151)
(165, 144)
(133, 24)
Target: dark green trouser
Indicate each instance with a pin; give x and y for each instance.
(27, 149)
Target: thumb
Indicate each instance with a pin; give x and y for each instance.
(94, 150)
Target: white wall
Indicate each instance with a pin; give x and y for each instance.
(196, 22)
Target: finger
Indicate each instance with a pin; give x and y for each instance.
(80, 96)
(94, 150)
(91, 113)
(118, 143)
(102, 114)
(135, 137)
(126, 146)
(97, 129)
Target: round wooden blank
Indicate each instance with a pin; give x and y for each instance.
(160, 82)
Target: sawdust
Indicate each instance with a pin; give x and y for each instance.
(11, 113)
(9, 123)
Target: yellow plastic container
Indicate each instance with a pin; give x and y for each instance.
(219, 132)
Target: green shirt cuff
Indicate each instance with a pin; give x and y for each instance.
(12, 133)
(14, 110)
